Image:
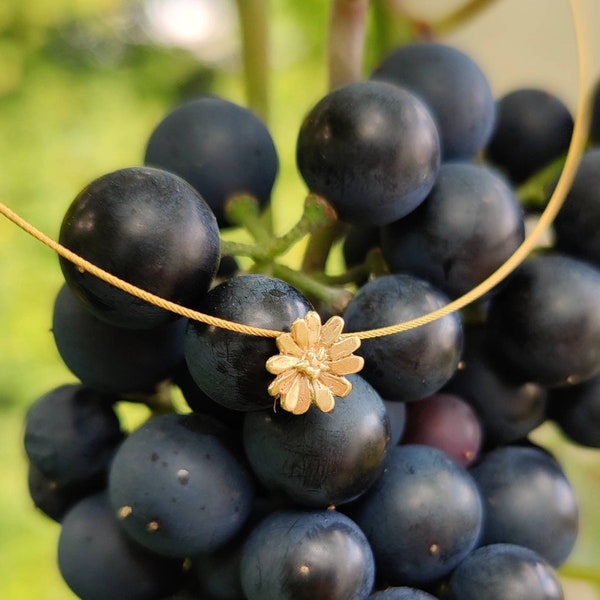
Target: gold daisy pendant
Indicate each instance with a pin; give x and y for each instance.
(311, 364)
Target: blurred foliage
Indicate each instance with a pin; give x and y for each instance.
(82, 84)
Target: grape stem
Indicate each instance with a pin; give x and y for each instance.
(160, 402)
(244, 211)
(535, 192)
(391, 28)
(335, 298)
(347, 30)
(463, 14)
(417, 28)
(254, 25)
(317, 215)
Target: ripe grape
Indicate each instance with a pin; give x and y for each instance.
(71, 434)
(179, 485)
(221, 148)
(317, 459)
(544, 323)
(421, 517)
(414, 364)
(148, 227)
(501, 571)
(370, 149)
(528, 501)
(577, 223)
(533, 127)
(99, 561)
(55, 500)
(294, 554)
(576, 410)
(468, 226)
(454, 88)
(114, 359)
(508, 411)
(229, 366)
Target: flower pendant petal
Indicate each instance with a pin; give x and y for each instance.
(311, 364)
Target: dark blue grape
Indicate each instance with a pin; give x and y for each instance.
(179, 486)
(199, 402)
(422, 517)
(414, 364)
(508, 411)
(371, 149)
(455, 89)
(216, 575)
(544, 323)
(533, 127)
(114, 359)
(577, 223)
(397, 414)
(71, 434)
(229, 366)
(502, 572)
(99, 562)
(148, 227)
(528, 501)
(401, 593)
(466, 228)
(221, 148)
(313, 555)
(55, 500)
(318, 459)
(576, 410)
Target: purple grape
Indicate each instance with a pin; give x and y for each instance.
(447, 422)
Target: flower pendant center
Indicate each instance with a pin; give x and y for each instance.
(311, 365)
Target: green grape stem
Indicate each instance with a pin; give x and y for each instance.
(535, 192)
(244, 212)
(254, 25)
(317, 215)
(335, 298)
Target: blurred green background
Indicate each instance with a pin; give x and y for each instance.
(82, 84)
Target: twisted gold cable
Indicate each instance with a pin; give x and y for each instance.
(576, 149)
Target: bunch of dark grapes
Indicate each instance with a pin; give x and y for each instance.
(419, 481)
